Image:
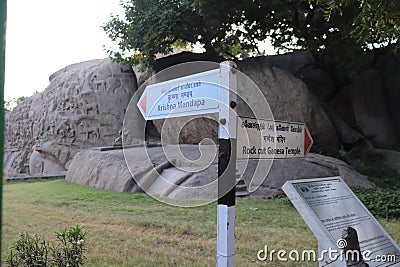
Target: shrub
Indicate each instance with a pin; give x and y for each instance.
(383, 203)
(69, 249)
(367, 162)
(29, 251)
(35, 251)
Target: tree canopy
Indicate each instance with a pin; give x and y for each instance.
(12, 103)
(342, 28)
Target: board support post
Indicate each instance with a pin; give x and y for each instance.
(227, 164)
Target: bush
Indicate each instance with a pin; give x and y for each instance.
(35, 251)
(383, 203)
(366, 162)
(29, 251)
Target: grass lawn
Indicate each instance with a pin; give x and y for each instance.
(135, 230)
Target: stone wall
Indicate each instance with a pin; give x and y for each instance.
(82, 107)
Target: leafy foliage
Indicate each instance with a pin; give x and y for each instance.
(376, 23)
(29, 251)
(149, 27)
(35, 251)
(383, 203)
(374, 166)
(342, 28)
(11, 103)
(69, 249)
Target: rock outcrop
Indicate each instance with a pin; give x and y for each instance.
(82, 107)
(104, 170)
(371, 110)
(150, 168)
(312, 166)
(288, 97)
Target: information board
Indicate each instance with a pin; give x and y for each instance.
(328, 206)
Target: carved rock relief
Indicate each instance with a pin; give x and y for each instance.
(77, 110)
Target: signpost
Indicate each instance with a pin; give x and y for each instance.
(190, 95)
(239, 138)
(207, 92)
(267, 139)
(329, 206)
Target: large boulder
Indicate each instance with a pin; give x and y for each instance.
(83, 106)
(371, 110)
(342, 105)
(149, 168)
(313, 166)
(188, 130)
(392, 93)
(103, 170)
(287, 96)
(289, 99)
(392, 158)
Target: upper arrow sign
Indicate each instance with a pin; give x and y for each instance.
(143, 103)
(268, 139)
(190, 95)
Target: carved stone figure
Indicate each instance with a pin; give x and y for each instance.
(77, 110)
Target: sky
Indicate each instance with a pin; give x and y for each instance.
(44, 36)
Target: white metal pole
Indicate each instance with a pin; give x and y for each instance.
(227, 165)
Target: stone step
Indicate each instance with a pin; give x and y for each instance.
(241, 186)
(240, 182)
(242, 194)
(241, 189)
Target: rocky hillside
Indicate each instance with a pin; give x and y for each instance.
(85, 103)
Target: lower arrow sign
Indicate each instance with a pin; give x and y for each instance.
(307, 141)
(268, 139)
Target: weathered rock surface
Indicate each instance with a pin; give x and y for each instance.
(288, 97)
(301, 64)
(82, 107)
(104, 170)
(342, 105)
(188, 130)
(346, 134)
(392, 93)
(371, 110)
(108, 170)
(392, 158)
(313, 166)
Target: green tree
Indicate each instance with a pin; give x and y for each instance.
(11, 103)
(8, 105)
(152, 27)
(342, 29)
(376, 23)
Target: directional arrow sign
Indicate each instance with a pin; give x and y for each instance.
(268, 139)
(190, 95)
